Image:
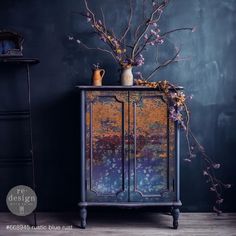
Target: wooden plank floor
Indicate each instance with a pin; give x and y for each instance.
(122, 224)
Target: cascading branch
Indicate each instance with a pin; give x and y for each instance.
(179, 112)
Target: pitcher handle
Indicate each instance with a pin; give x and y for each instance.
(102, 72)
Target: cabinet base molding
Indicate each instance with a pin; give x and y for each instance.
(131, 204)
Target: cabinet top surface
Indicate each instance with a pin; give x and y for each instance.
(117, 88)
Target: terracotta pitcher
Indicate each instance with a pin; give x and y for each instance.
(97, 77)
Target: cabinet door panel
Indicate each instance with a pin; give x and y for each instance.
(151, 148)
(106, 129)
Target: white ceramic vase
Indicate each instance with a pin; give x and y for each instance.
(127, 78)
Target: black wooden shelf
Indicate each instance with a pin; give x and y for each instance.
(19, 60)
(14, 115)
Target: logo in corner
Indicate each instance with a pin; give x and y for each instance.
(21, 200)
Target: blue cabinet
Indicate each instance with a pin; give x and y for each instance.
(129, 149)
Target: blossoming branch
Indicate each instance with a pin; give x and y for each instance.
(147, 34)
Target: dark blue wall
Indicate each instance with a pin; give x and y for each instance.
(209, 76)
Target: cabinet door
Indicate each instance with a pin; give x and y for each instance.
(152, 148)
(106, 147)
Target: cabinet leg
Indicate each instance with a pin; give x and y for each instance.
(175, 213)
(83, 217)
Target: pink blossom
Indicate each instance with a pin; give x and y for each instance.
(219, 201)
(139, 61)
(153, 32)
(139, 75)
(88, 17)
(216, 166)
(227, 185)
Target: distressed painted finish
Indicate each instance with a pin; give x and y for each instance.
(151, 152)
(130, 144)
(106, 149)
